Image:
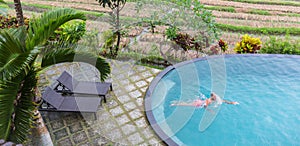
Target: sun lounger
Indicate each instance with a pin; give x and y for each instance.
(53, 101)
(67, 84)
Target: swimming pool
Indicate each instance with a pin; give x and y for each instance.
(266, 86)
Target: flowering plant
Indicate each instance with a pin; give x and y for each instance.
(248, 45)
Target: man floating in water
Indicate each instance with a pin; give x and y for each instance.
(205, 102)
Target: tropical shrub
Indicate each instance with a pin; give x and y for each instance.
(281, 46)
(70, 33)
(20, 49)
(248, 44)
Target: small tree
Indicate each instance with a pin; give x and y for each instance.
(116, 6)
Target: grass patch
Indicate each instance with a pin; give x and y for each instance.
(263, 30)
(251, 11)
(285, 3)
(221, 8)
(259, 12)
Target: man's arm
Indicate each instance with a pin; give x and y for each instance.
(230, 102)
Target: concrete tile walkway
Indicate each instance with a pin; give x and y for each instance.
(120, 121)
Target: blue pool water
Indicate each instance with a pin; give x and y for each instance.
(266, 86)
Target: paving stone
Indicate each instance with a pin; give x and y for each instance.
(122, 119)
(135, 78)
(146, 74)
(92, 132)
(120, 77)
(85, 144)
(53, 116)
(111, 103)
(72, 118)
(124, 98)
(51, 72)
(135, 114)
(124, 82)
(65, 142)
(116, 111)
(79, 137)
(57, 124)
(140, 101)
(135, 94)
(141, 68)
(100, 141)
(130, 106)
(75, 127)
(114, 135)
(149, 80)
(130, 73)
(147, 132)
(102, 116)
(135, 139)
(144, 89)
(141, 84)
(60, 134)
(129, 88)
(119, 92)
(154, 141)
(122, 142)
(109, 125)
(141, 123)
(128, 129)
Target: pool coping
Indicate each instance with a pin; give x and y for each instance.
(147, 100)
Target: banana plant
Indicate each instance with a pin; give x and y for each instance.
(20, 50)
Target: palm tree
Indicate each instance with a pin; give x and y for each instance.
(19, 50)
(19, 12)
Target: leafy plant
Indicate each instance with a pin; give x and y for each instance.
(109, 38)
(281, 46)
(223, 45)
(19, 50)
(69, 33)
(171, 32)
(248, 45)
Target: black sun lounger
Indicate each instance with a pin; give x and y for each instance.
(56, 102)
(70, 85)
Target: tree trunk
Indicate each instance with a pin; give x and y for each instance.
(19, 12)
(118, 29)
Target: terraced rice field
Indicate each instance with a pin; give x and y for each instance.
(265, 14)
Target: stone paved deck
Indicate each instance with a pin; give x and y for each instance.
(120, 121)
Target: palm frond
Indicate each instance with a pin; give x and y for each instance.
(8, 92)
(42, 28)
(69, 55)
(24, 109)
(13, 59)
(20, 34)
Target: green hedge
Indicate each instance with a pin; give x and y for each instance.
(262, 30)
